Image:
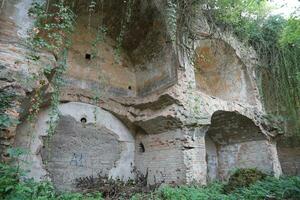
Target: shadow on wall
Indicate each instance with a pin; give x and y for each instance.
(289, 155)
(233, 141)
(145, 62)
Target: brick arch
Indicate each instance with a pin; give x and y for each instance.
(240, 144)
(232, 127)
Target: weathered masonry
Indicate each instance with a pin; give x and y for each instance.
(178, 115)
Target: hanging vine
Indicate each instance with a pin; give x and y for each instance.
(275, 39)
(54, 22)
(124, 23)
(51, 32)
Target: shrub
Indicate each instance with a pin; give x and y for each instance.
(243, 178)
(12, 188)
(255, 186)
(271, 188)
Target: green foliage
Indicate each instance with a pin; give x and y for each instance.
(100, 37)
(291, 33)
(7, 121)
(6, 103)
(52, 29)
(16, 152)
(243, 178)
(171, 14)
(237, 12)
(8, 179)
(277, 42)
(124, 24)
(12, 188)
(269, 188)
(213, 191)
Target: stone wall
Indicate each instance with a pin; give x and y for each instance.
(220, 73)
(17, 72)
(95, 66)
(149, 107)
(240, 144)
(254, 154)
(162, 158)
(211, 160)
(176, 156)
(289, 155)
(87, 141)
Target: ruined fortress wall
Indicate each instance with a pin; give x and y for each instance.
(148, 108)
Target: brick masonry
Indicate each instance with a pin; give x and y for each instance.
(155, 112)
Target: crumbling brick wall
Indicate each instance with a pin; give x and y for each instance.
(154, 92)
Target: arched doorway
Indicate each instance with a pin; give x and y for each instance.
(238, 143)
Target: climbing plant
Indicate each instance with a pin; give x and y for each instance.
(6, 120)
(274, 38)
(53, 25)
(124, 24)
(277, 42)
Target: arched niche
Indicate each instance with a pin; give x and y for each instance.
(87, 141)
(238, 143)
(219, 72)
(145, 61)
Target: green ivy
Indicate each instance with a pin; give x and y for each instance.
(51, 32)
(277, 42)
(6, 103)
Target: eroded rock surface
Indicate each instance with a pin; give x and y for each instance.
(157, 112)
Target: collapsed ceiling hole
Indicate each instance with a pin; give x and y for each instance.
(141, 148)
(88, 56)
(83, 120)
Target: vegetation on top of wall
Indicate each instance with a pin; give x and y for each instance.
(275, 39)
(277, 42)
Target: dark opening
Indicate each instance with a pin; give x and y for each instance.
(88, 56)
(83, 120)
(141, 148)
(129, 87)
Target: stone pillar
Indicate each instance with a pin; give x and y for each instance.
(194, 154)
